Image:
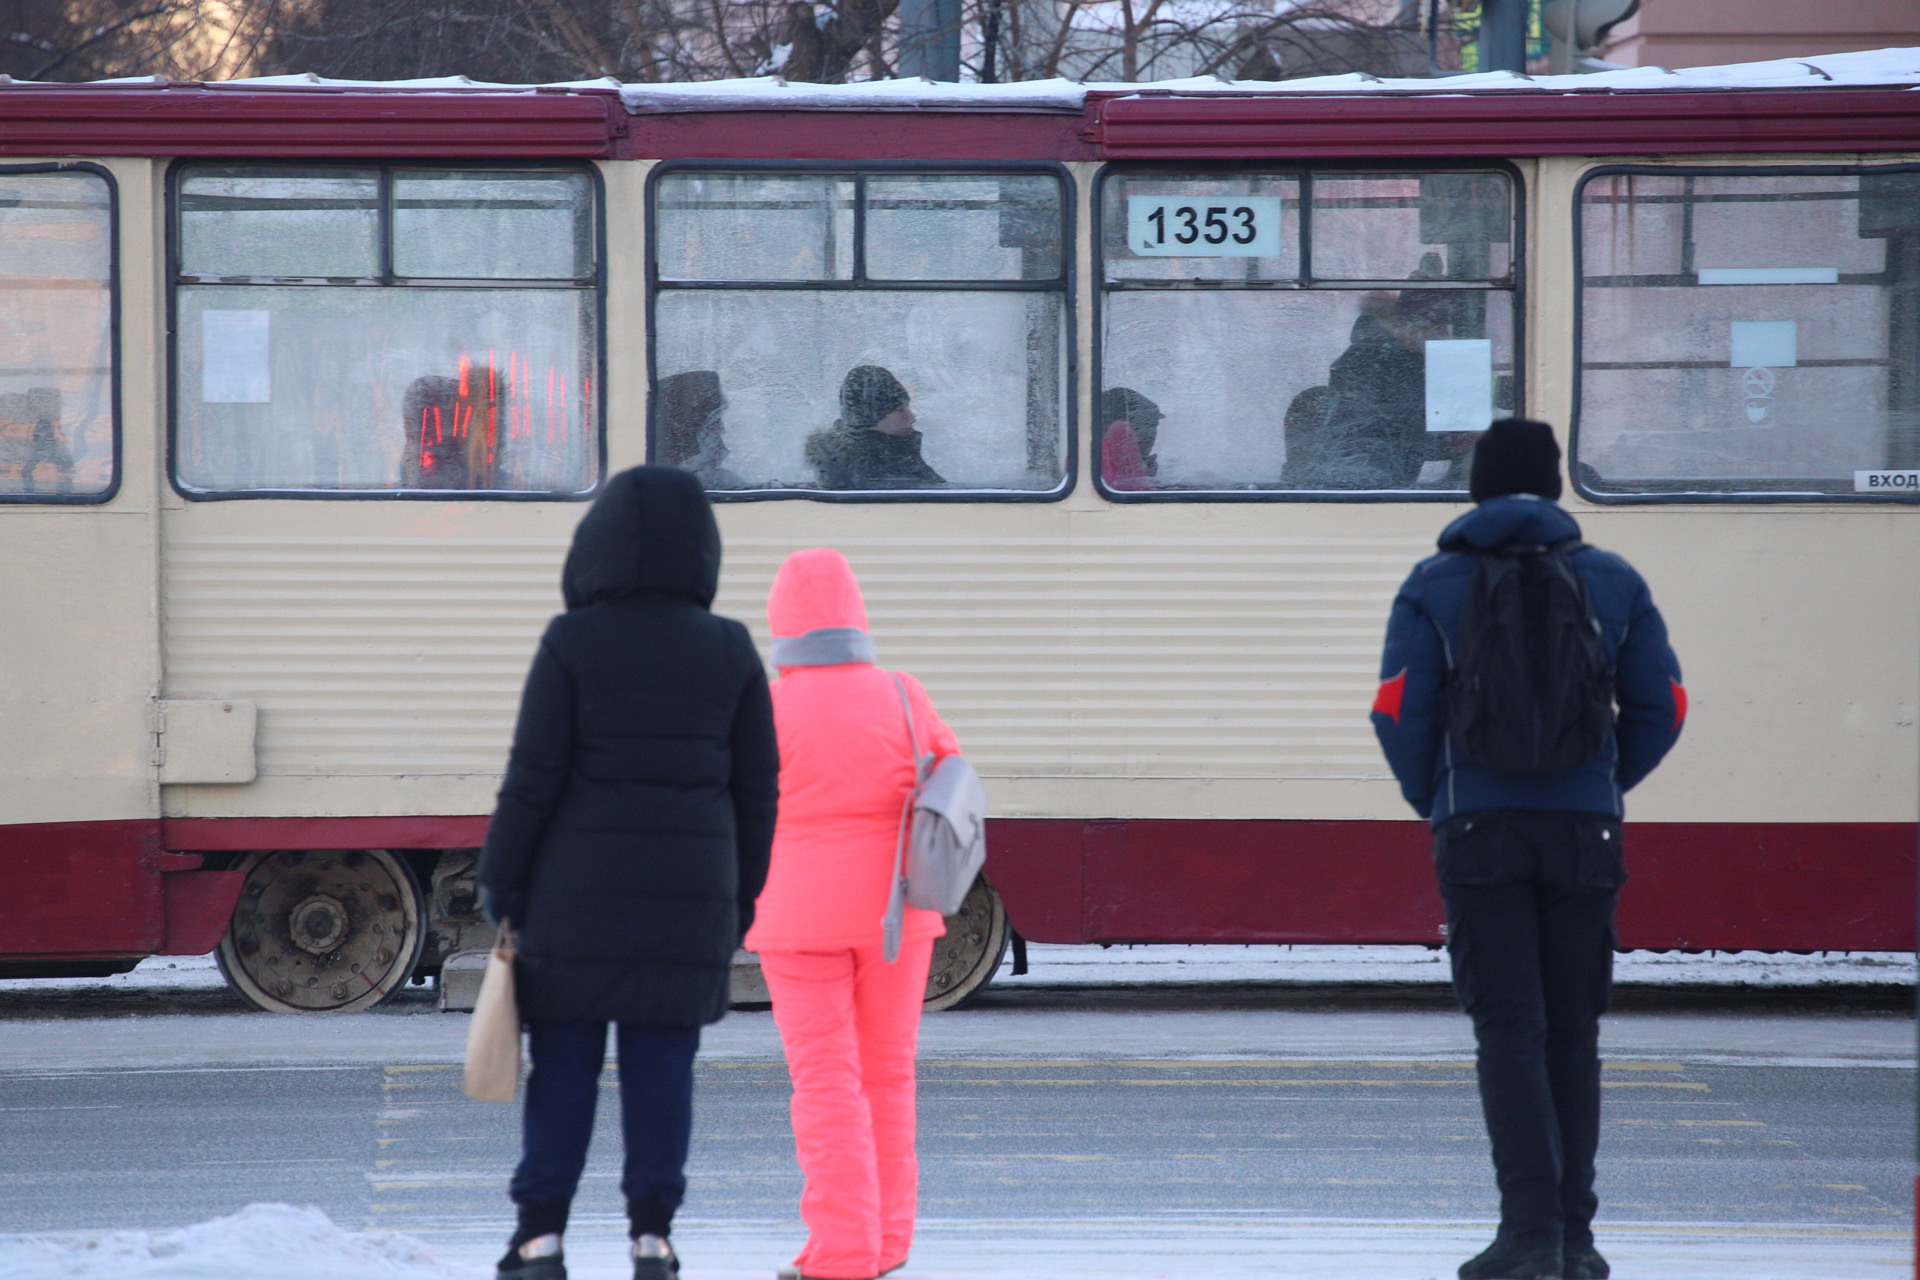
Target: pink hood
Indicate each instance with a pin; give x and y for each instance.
(814, 589)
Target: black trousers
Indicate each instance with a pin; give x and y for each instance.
(1530, 898)
(656, 1112)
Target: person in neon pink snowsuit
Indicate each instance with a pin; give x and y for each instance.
(848, 1019)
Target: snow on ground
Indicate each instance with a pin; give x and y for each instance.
(1094, 965)
(1099, 966)
(153, 973)
(261, 1242)
(279, 1242)
(1237, 1247)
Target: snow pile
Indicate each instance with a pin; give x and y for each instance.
(261, 1242)
(155, 973)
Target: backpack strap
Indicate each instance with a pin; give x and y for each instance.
(895, 917)
(913, 738)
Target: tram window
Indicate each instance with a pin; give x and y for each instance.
(963, 227)
(1382, 226)
(466, 365)
(452, 224)
(1750, 333)
(928, 355)
(56, 336)
(281, 223)
(733, 226)
(1302, 334)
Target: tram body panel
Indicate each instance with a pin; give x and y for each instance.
(79, 628)
(1107, 661)
(1793, 628)
(625, 317)
(384, 643)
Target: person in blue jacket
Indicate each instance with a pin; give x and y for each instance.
(1530, 868)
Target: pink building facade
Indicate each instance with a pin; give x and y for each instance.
(1693, 33)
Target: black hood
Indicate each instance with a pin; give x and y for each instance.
(651, 530)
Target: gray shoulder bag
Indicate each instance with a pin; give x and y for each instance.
(942, 841)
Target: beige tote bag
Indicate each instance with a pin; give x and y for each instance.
(493, 1037)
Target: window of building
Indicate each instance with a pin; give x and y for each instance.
(414, 331)
(1302, 333)
(56, 335)
(1749, 334)
(862, 332)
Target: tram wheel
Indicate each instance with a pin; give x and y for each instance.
(323, 931)
(965, 960)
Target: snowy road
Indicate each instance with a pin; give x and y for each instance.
(1194, 1124)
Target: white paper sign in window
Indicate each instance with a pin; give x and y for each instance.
(1765, 344)
(235, 366)
(1459, 384)
(1222, 227)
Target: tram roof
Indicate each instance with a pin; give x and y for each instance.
(1867, 105)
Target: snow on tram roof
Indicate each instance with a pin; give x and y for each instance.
(1878, 68)
(1882, 68)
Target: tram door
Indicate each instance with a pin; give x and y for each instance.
(79, 849)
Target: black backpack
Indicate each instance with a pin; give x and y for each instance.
(1531, 690)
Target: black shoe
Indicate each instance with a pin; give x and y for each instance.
(654, 1259)
(1584, 1264)
(1502, 1261)
(538, 1259)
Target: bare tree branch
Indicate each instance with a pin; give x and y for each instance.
(536, 41)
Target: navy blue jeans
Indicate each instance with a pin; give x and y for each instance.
(1530, 898)
(656, 1109)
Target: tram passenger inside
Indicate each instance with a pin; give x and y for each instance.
(1366, 427)
(1127, 460)
(692, 435)
(30, 438)
(873, 444)
(444, 450)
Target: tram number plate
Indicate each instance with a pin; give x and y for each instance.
(1886, 482)
(1210, 227)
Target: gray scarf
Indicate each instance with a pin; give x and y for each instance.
(823, 647)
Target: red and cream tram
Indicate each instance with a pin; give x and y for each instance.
(303, 385)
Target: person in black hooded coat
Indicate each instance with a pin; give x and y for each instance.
(629, 842)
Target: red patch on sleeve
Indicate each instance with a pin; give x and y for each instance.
(1679, 704)
(1387, 701)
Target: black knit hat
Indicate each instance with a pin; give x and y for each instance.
(685, 406)
(869, 394)
(1515, 456)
